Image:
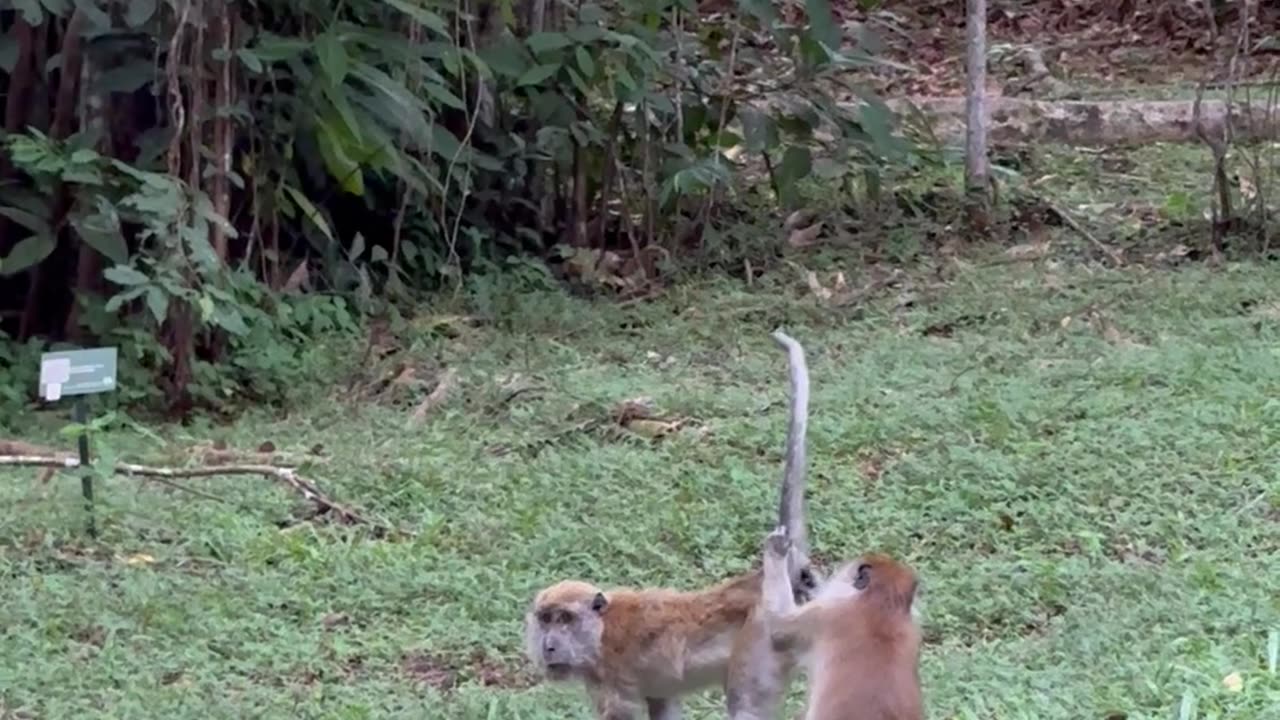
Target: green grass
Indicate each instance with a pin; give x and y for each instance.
(1094, 513)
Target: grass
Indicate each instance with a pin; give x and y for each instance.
(1093, 506)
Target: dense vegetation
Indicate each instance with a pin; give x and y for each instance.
(213, 185)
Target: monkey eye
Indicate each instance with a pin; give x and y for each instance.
(863, 577)
(546, 617)
(565, 617)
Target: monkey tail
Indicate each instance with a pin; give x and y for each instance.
(791, 503)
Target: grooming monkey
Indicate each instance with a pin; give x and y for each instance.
(638, 651)
(857, 636)
(758, 672)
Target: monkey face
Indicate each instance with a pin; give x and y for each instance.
(804, 587)
(563, 629)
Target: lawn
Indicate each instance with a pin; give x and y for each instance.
(1082, 465)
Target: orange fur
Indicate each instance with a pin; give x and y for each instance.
(655, 644)
(861, 646)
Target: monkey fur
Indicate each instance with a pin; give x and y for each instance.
(858, 636)
(637, 651)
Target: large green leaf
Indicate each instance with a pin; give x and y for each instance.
(8, 53)
(346, 115)
(28, 253)
(124, 276)
(31, 11)
(137, 12)
(57, 8)
(28, 220)
(333, 57)
(336, 160)
(538, 74)
(822, 23)
(443, 95)
(157, 303)
(506, 56)
(797, 161)
(543, 42)
(100, 230)
(759, 130)
(310, 211)
(421, 15)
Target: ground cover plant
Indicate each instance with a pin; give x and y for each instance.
(1081, 463)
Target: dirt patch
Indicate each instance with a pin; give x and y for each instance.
(1139, 41)
(444, 672)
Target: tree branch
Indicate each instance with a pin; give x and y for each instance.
(283, 475)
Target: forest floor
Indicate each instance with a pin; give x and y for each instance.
(1080, 461)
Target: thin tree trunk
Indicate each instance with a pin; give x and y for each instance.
(222, 135)
(977, 170)
(16, 104)
(88, 265)
(64, 115)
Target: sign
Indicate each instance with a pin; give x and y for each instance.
(77, 372)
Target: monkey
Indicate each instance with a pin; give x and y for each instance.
(758, 673)
(638, 651)
(858, 636)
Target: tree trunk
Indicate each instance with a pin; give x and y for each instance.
(16, 104)
(64, 116)
(222, 140)
(977, 170)
(88, 265)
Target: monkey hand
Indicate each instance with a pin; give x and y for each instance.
(778, 542)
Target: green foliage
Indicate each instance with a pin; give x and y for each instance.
(1093, 521)
(472, 145)
(19, 374)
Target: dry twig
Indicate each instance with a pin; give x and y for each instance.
(283, 475)
(448, 380)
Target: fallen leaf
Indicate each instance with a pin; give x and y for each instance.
(653, 428)
(1028, 251)
(816, 287)
(140, 559)
(333, 620)
(1233, 682)
(799, 219)
(805, 237)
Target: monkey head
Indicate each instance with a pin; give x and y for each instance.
(805, 578)
(805, 581)
(875, 577)
(563, 628)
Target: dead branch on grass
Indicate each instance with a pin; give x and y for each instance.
(448, 380)
(286, 476)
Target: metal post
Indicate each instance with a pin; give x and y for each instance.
(80, 413)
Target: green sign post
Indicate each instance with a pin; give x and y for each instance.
(78, 373)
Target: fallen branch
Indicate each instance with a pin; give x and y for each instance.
(1116, 257)
(436, 398)
(283, 475)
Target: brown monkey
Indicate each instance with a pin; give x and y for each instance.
(758, 672)
(858, 636)
(640, 650)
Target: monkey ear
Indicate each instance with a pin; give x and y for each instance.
(863, 578)
(598, 603)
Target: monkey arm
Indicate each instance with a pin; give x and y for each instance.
(788, 624)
